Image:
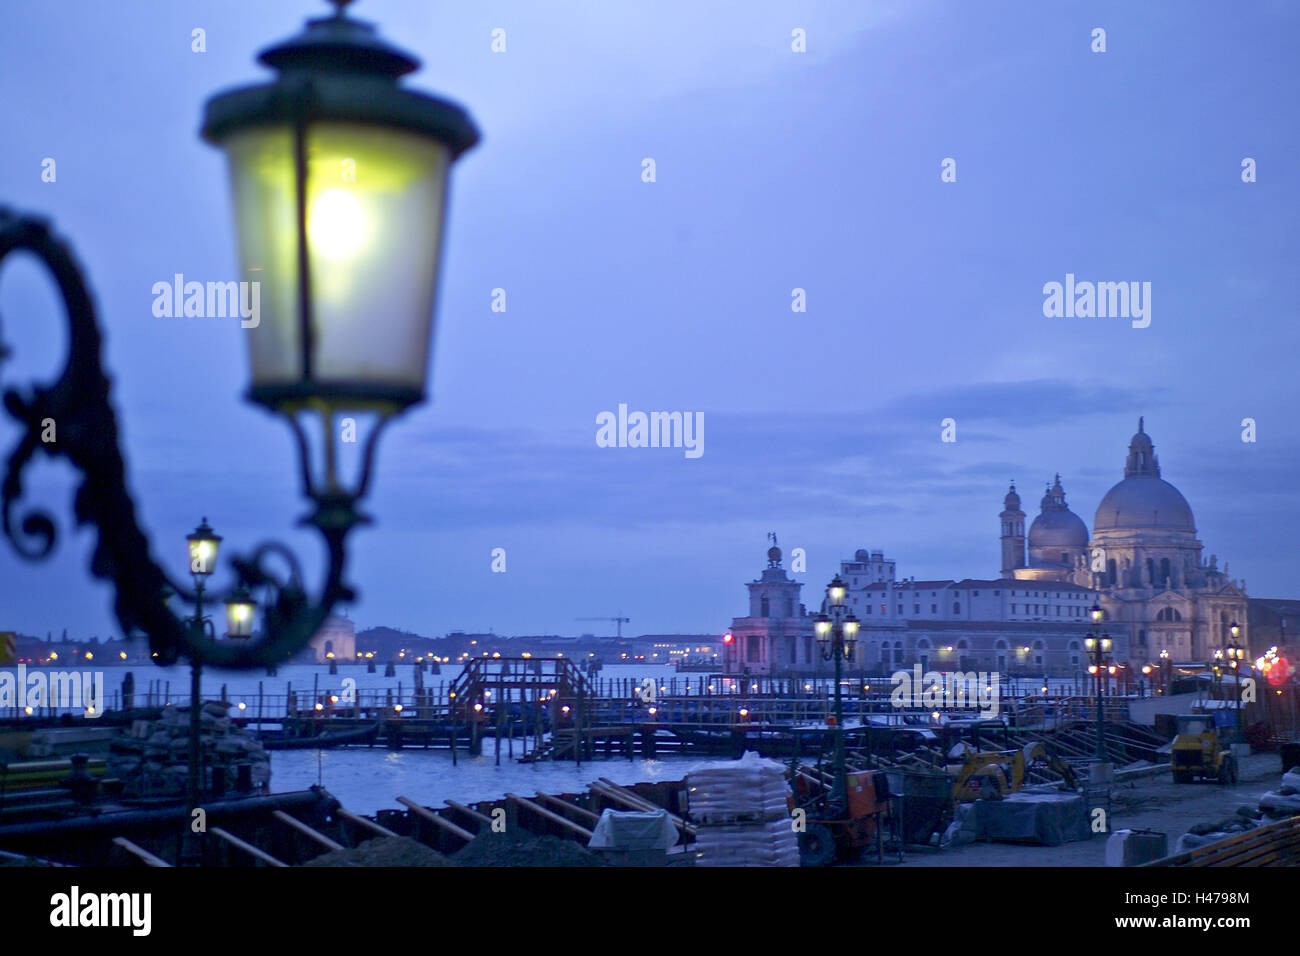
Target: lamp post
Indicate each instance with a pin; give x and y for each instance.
(1216, 668)
(204, 545)
(339, 177)
(1098, 646)
(837, 635)
(1236, 654)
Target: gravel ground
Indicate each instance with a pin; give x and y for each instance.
(523, 849)
(383, 851)
(1150, 803)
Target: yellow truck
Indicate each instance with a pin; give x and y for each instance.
(1198, 752)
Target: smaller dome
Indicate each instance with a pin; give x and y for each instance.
(774, 554)
(861, 555)
(1058, 529)
(1057, 526)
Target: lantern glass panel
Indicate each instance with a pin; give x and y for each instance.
(203, 555)
(374, 210)
(239, 618)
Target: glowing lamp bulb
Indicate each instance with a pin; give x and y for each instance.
(337, 224)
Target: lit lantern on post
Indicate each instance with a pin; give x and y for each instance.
(851, 627)
(240, 609)
(339, 177)
(822, 629)
(836, 592)
(203, 547)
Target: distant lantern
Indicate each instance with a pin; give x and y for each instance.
(203, 547)
(240, 610)
(836, 592)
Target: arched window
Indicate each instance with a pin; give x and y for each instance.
(1166, 570)
(764, 607)
(1112, 572)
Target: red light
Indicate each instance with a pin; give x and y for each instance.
(728, 639)
(1278, 672)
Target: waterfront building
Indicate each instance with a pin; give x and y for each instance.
(1142, 563)
(776, 636)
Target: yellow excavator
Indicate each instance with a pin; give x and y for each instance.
(994, 774)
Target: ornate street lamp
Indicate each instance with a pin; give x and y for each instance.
(1236, 654)
(837, 635)
(1098, 646)
(339, 177)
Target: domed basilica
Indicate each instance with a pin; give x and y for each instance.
(1143, 557)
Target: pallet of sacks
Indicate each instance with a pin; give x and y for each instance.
(741, 812)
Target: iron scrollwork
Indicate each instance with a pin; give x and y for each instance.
(86, 433)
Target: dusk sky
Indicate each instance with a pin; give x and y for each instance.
(775, 171)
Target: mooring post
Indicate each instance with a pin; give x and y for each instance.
(497, 736)
(451, 720)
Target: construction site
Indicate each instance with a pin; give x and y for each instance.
(784, 773)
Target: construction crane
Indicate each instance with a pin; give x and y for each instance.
(620, 621)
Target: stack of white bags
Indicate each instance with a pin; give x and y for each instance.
(741, 812)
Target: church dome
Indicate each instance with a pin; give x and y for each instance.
(1057, 526)
(1143, 500)
(1146, 502)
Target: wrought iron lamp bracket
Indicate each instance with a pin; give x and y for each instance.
(86, 434)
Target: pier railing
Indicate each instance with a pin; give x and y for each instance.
(517, 689)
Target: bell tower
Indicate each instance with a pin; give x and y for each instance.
(1013, 533)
